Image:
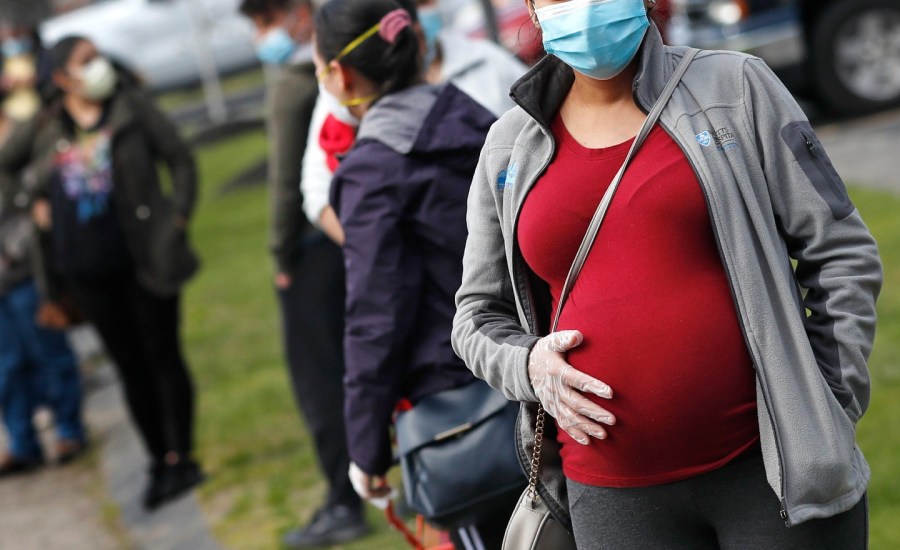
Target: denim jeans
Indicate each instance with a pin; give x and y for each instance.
(37, 367)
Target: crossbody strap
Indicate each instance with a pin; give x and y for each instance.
(594, 227)
(591, 235)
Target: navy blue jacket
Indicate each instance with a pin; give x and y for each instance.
(401, 197)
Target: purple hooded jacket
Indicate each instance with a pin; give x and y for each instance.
(401, 197)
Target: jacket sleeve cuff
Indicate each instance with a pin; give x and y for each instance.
(282, 263)
(522, 379)
(377, 463)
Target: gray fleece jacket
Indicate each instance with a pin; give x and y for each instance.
(772, 196)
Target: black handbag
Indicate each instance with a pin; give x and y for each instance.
(458, 454)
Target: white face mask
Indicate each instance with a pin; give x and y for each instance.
(334, 107)
(98, 79)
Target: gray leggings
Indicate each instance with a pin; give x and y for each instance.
(730, 508)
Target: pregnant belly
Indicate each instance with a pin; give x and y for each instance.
(684, 393)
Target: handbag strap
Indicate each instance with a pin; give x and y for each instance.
(591, 235)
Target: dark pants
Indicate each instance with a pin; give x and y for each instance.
(488, 533)
(312, 315)
(140, 330)
(36, 367)
(730, 508)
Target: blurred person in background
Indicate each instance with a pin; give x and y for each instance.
(117, 241)
(400, 196)
(25, 70)
(37, 366)
(480, 68)
(309, 275)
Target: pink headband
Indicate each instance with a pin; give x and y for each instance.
(392, 23)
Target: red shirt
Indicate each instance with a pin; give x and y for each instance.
(655, 308)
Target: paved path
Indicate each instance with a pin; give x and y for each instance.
(94, 504)
(866, 151)
(177, 526)
(56, 508)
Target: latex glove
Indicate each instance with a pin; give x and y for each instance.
(560, 387)
(374, 489)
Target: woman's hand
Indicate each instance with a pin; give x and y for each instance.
(41, 215)
(282, 281)
(560, 388)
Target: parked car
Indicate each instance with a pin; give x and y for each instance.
(163, 41)
(846, 52)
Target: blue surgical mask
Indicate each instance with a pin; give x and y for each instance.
(597, 38)
(431, 22)
(14, 47)
(276, 47)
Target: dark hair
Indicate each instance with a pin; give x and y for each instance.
(264, 8)
(410, 7)
(61, 52)
(659, 15)
(391, 67)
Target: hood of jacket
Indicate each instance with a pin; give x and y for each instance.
(428, 120)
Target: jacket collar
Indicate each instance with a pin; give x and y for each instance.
(121, 112)
(542, 90)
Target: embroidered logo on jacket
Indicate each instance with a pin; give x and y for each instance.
(704, 138)
(723, 138)
(507, 178)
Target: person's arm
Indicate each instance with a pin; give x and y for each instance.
(293, 98)
(331, 225)
(168, 144)
(318, 166)
(315, 181)
(383, 289)
(487, 333)
(837, 258)
(15, 155)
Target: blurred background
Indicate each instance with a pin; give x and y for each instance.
(840, 57)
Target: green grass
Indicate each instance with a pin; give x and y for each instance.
(879, 430)
(250, 436)
(263, 480)
(237, 82)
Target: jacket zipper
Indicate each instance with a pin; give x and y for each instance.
(813, 150)
(759, 374)
(516, 254)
